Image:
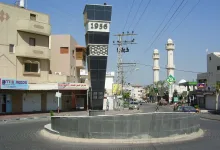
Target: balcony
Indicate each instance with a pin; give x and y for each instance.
(156, 68)
(80, 58)
(32, 51)
(80, 64)
(33, 27)
(170, 47)
(170, 66)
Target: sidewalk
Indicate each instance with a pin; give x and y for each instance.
(8, 118)
(210, 116)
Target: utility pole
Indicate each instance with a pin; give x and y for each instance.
(120, 50)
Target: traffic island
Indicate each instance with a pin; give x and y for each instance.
(125, 128)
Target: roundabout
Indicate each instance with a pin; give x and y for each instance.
(28, 135)
(125, 128)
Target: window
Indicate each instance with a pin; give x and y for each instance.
(11, 48)
(33, 17)
(32, 41)
(210, 58)
(64, 50)
(31, 67)
(73, 53)
(218, 67)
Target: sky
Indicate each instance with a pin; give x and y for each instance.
(198, 32)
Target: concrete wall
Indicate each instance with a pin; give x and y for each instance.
(143, 125)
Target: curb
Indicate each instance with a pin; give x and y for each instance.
(21, 119)
(210, 118)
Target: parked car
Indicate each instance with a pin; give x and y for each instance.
(163, 102)
(186, 109)
(141, 102)
(134, 105)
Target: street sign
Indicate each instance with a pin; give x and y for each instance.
(170, 79)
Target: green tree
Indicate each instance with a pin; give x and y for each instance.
(162, 87)
(159, 87)
(126, 95)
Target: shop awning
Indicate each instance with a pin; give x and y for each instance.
(59, 86)
(49, 86)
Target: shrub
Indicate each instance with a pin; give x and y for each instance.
(196, 106)
(51, 113)
(126, 104)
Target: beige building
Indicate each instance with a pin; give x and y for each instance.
(24, 45)
(213, 70)
(210, 78)
(27, 53)
(67, 57)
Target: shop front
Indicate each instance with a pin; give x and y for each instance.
(42, 97)
(10, 95)
(74, 95)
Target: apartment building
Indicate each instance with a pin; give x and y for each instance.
(67, 57)
(209, 79)
(136, 91)
(24, 44)
(27, 82)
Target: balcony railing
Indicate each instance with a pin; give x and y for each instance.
(32, 51)
(33, 27)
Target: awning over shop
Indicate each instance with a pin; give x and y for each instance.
(59, 86)
(73, 86)
(46, 86)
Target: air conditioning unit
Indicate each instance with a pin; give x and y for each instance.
(58, 73)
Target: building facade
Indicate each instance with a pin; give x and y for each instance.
(24, 44)
(209, 80)
(29, 78)
(137, 92)
(67, 57)
(213, 70)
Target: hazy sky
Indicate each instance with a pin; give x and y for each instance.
(197, 33)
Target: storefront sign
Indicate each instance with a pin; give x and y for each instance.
(201, 85)
(72, 86)
(13, 84)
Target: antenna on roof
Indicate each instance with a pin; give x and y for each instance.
(21, 4)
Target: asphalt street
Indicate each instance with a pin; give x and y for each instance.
(25, 136)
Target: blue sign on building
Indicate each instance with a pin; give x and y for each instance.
(13, 84)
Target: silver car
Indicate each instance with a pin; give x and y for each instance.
(134, 105)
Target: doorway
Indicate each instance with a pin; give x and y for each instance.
(3, 103)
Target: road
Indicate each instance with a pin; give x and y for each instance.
(25, 136)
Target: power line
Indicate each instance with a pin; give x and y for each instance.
(128, 14)
(142, 15)
(175, 17)
(165, 26)
(181, 70)
(168, 26)
(135, 15)
(186, 16)
(164, 19)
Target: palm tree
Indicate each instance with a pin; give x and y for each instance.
(161, 86)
